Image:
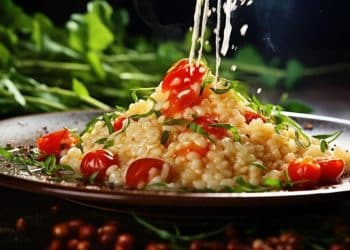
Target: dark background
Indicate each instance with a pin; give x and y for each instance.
(315, 31)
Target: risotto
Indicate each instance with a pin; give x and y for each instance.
(195, 133)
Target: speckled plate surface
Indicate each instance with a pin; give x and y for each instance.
(24, 130)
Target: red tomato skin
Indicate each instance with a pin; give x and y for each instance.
(250, 116)
(206, 121)
(118, 123)
(182, 75)
(179, 101)
(98, 161)
(306, 171)
(53, 143)
(138, 171)
(331, 170)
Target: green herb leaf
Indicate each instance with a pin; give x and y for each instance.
(272, 182)
(108, 144)
(5, 153)
(93, 177)
(295, 71)
(323, 146)
(144, 91)
(171, 122)
(232, 129)
(13, 90)
(107, 119)
(329, 137)
(198, 129)
(165, 137)
(258, 165)
(294, 105)
(79, 88)
(101, 141)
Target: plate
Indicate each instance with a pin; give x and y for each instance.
(24, 130)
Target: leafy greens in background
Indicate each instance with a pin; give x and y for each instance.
(48, 68)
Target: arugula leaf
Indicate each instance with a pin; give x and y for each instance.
(198, 129)
(101, 141)
(329, 137)
(5, 153)
(108, 144)
(93, 177)
(175, 122)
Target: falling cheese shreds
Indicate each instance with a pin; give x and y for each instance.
(244, 29)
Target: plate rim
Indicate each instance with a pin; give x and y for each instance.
(137, 197)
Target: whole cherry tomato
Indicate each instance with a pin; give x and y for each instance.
(305, 173)
(183, 81)
(331, 170)
(55, 142)
(97, 161)
(118, 123)
(179, 101)
(138, 171)
(183, 75)
(206, 121)
(250, 116)
(202, 151)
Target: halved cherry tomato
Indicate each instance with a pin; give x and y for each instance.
(55, 142)
(202, 151)
(250, 116)
(179, 101)
(97, 161)
(305, 172)
(331, 170)
(206, 121)
(183, 75)
(138, 171)
(118, 124)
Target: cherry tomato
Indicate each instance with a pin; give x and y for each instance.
(304, 172)
(183, 75)
(249, 116)
(331, 170)
(118, 124)
(97, 161)
(206, 121)
(179, 101)
(138, 171)
(202, 151)
(55, 142)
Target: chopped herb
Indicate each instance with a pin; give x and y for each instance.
(107, 119)
(101, 141)
(93, 177)
(120, 109)
(165, 137)
(198, 129)
(176, 122)
(258, 165)
(145, 91)
(232, 129)
(108, 144)
(229, 85)
(272, 182)
(151, 112)
(5, 153)
(330, 137)
(323, 146)
(90, 126)
(207, 80)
